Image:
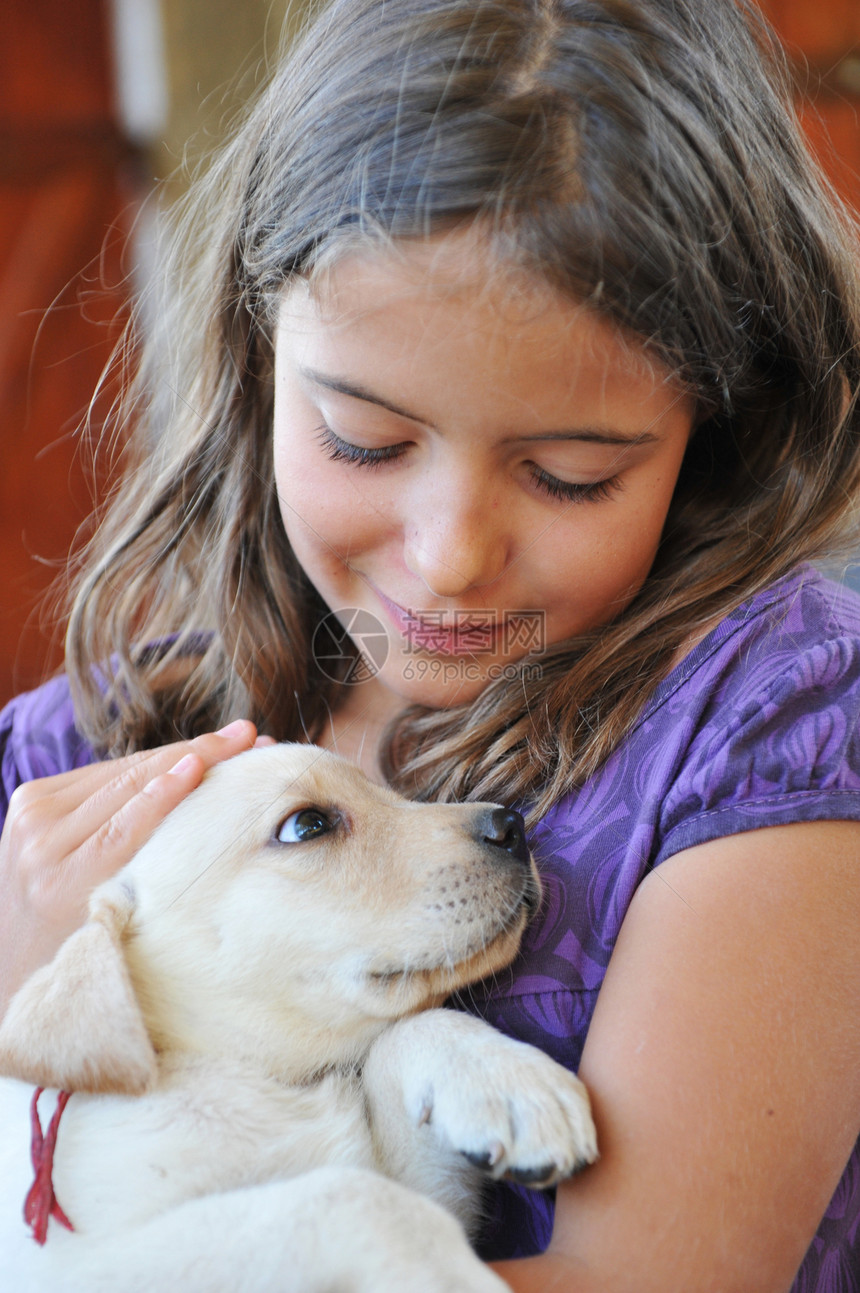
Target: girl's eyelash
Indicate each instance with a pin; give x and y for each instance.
(570, 492)
(342, 451)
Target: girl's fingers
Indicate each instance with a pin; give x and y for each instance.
(119, 816)
(81, 807)
(79, 783)
(58, 844)
(119, 838)
(65, 835)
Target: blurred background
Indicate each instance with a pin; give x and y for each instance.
(101, 103)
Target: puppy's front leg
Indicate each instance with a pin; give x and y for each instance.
(446, 1090)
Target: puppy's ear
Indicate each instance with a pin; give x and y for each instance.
(75, 1024)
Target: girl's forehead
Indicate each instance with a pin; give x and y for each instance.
(458, 265)
(453, 281)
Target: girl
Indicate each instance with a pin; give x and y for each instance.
(519, 338)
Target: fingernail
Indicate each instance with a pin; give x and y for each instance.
(232, 729)
(184, 765)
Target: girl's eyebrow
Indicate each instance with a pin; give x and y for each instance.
(588, 435)
(358, 392)
(595, 435)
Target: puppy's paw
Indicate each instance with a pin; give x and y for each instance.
(521, 1117)
(505, 1106)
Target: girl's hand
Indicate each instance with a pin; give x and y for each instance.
(66, 834)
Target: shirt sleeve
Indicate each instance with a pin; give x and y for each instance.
(784, 747)
(38, 738)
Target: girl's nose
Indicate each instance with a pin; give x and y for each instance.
(456, 546)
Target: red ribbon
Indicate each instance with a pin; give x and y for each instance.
(41, 1202)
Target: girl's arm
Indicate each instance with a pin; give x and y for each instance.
(723, 1061)
(65, 834)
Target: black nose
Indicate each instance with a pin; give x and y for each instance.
(506, 829)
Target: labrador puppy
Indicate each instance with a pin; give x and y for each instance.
(258, 1089)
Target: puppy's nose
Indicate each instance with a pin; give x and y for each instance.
(506, 829)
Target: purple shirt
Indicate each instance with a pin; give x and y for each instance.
(758, 726)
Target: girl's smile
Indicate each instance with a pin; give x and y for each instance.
(471, 457)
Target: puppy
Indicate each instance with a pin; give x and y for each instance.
(263, 1092)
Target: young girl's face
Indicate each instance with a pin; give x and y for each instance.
(479, 463)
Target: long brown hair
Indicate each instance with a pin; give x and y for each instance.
(642, 157)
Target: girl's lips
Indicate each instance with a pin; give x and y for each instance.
(428, 632)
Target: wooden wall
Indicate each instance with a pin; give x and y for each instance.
(69, 187)
(823, 39)
(67, 179)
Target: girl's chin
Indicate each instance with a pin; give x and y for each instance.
(442, 682)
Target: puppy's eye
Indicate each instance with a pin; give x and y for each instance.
(306, 824)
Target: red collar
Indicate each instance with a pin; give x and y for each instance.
(41, 1202)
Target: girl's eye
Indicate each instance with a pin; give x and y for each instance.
(306, 824)
(342, 451)
(570, 492)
